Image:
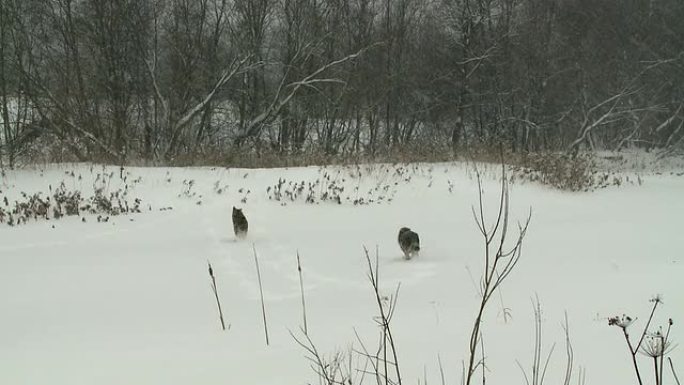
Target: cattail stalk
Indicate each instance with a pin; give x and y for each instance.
(301, 289)
(218, 302)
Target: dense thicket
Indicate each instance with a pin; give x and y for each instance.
(164, 79)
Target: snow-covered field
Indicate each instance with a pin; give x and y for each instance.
(128, 301)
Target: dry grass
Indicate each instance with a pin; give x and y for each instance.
(558, 170)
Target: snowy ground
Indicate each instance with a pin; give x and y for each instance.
(129, 301)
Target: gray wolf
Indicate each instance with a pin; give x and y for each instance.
(409, 242)
(240, 225)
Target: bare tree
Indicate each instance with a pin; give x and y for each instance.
(160, 79)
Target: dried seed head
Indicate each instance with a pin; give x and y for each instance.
(620, 321)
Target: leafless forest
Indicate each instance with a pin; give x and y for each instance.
(166, 80)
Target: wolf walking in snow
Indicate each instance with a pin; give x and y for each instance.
(409, 242)
(240, 224)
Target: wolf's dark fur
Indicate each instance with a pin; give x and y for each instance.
(409, 242)
(240, 224)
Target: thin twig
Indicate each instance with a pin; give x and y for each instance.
(664, 343)
(669, 359)
(484, 365)
(546, 364)
(569, 352)
(321, 368)
(373, 275)
(371, 358)
(648, 323)
(633, 351)
(582, 377)
(441, 370)
(633, 354)
(527, 380)
(537, 342)
(261, 292)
